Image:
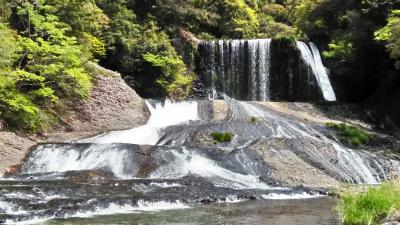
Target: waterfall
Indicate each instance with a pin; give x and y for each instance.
(162, 115)
(246, 70)
(238, 68)
(311, 56)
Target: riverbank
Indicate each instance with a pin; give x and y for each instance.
(371, 205)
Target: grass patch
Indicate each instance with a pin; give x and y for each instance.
(253, 120)
(350, 134)
(222, 137)
(371, 207)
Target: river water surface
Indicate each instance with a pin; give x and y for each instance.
(316, 211)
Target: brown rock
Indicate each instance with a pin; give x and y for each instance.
(112, 105)
(13, 149)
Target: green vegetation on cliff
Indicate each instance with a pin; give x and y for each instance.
(350, 134)
(46, 45)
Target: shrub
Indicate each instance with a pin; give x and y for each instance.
(222, 137)
(372, 206)
(350, 134)
(278, 12)
(253, 119)
(238, 20)
(174, 80)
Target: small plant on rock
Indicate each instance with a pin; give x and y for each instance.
(222, 137)
(253, 120)
(350, 134)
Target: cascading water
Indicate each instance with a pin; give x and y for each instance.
(311, 57)
(238, 68)
(172, 162)
(242, 69)
(344, 163)
(162, 115)
(110, 176)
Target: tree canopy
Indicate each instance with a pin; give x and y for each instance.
(46, 45)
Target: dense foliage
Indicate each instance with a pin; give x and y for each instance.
(46, 45)
(43, 66)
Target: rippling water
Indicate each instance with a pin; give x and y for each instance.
(319, 211)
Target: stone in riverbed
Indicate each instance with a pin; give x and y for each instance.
(393, 219)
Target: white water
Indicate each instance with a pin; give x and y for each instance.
(312, 57)
(276, 196)
(188, 162)
(9, 208)
(142, 206)
(227, 67)
(47, 159)
(162, 116)
(259, 60)
(112, 209)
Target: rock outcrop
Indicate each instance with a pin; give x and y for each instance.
(112, 105)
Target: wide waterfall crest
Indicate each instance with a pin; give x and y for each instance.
(246, 70)
(226, 62)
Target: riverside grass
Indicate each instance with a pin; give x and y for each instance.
(371, 207)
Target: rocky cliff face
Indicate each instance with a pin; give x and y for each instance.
(112, 105)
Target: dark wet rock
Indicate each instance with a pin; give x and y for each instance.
(89, 176)
(73, 197)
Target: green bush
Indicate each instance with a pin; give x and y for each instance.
(222, 137)
(391, 34)
(42, 67)
(253, 119)
(350, 134)
(277, 11)
(372, 206)
(238, 20)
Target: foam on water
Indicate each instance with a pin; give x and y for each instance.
(165, 185)
(277, 196)
(142, 206)
(162, 115)
(10, 208)
(111, 209)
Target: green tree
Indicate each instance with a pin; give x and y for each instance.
(42, 67)
(238, 19)
(391, 34)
